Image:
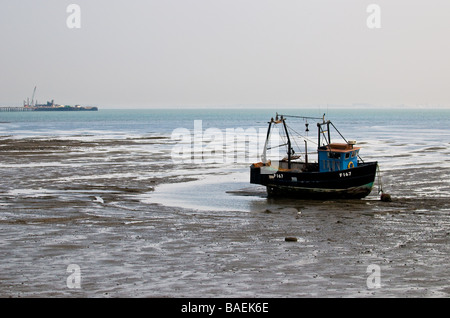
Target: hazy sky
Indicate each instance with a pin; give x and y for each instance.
(159, 53)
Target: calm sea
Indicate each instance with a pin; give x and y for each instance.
(386, 134)
(384, 123)
(144, 121)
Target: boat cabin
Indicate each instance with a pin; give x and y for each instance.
(338, 156)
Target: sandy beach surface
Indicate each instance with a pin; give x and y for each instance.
(77, 220)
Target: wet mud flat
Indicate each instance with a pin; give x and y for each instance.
(80, 202)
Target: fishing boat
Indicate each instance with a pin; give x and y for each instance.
(339, 171)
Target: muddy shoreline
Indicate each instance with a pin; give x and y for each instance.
(79, 201)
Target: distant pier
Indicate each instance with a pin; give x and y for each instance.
(15, 109)
(48, 108)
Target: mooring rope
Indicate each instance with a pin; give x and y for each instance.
(380, 183)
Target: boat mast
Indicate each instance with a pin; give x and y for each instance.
(264, 154)
(321, 131)
(288, 138)
(289, 152)
(288, 142)
(306, 152)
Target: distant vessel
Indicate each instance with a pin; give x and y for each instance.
(51, 106)
(337, 174)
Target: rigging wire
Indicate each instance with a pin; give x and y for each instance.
(299, 134)
(323, 132)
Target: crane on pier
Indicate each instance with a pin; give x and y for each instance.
(32, 97)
